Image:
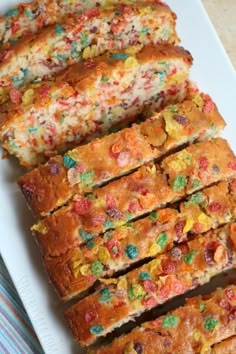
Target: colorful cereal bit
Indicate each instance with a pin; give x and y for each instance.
(149, 286)
(130, 63)
(90, 244)
(179, 183)
(162, 239)
(181, 119)
(153, 216)
(12, 12)
(108, 224)
(188, 224)
(121, 56)
(105, 295)
(82, 205)
(203, 163)
(96, 329)
(201, 306)
(170, 321)
(232, 166)
(196, 183)
(113, 247)
(15, 96)
(85, 236)
(28, 96)
(210, 324)
(188, 258)
(90, 316)
(230, 294)
(104, 255)
(97, 268)
(131, 251)
(86, 176)
(59, 29)
(144, 275)
(69, 162)
(138, 347)
(195, 199)
(136, 292)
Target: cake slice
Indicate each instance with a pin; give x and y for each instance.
(124, 298)
(77, 38)
(72, 273)
(90, 98)
(61, 177)
(28, 18)
(132, 196)
(201, 323)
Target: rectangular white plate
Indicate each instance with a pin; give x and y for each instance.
(214, 74)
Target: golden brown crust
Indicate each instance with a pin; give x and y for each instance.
(202, 322)
(53, 184)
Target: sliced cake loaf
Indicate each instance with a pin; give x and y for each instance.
(90, 98)
(77, 38)
(74, 272)
(201, 323)
(124, 298)
(54, 183)
(132, 196)
(27, 18)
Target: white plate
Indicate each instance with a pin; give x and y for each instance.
(214, 74)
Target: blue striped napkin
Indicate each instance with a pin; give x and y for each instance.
(16, 333)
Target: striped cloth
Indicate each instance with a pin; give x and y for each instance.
(16, 333)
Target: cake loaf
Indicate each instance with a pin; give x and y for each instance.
(91, 97)
(74, 272)
(27, 18)
(77, 38)
(148, 188)
(194, 328)
(81, 169)
(122, 299)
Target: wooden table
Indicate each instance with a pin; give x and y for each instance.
(223, 16)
